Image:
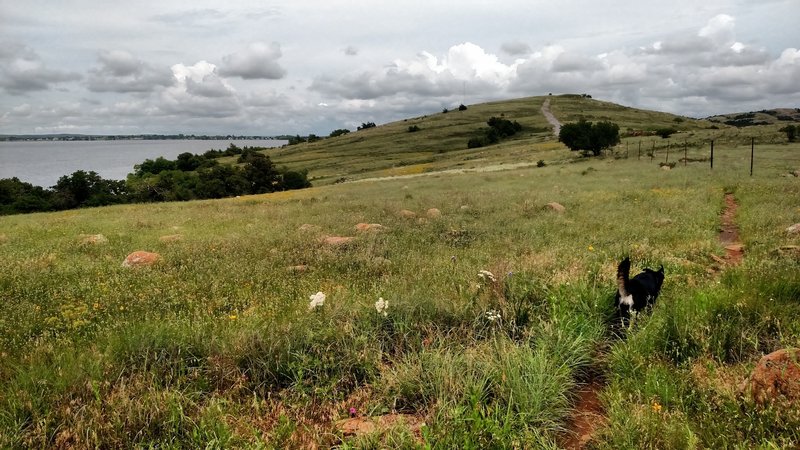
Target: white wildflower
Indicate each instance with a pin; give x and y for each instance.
(486, 275)
(317, 299)
(381, 306)
(493, 315)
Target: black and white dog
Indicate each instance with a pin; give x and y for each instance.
(637, 293)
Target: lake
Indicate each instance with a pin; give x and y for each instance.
(42, 163)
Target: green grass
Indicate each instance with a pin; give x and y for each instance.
(215, 345)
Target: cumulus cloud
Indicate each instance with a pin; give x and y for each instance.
(424, 75)
(120, 71)
(22, 70)
(350, 50)
(258, 61)
(199, 91)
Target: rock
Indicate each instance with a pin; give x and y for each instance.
(464, 208)
(93, 239)
(141, 259)
(369, 227)
(337, 241)
(557, 207)
(433, 213)
(738, 248)
(171, 238)
(794, 229)
(302, 268)
(776, 376)
(795, 173)
(662, 222)
(666, 168)
(407, 214)
(717, 259)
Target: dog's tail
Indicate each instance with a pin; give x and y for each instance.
(623, 272)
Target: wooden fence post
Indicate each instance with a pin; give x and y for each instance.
(712, 154)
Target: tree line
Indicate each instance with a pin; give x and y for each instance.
(189, 177)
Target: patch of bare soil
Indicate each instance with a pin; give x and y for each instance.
(729, 233)
(587, 417)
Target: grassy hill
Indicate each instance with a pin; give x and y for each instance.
(775, 116)
(216, 345)
(441, 142)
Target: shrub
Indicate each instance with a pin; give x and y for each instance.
(413, 129)
(339, 132)
(583, 135)
(366, 125)
(462, 107)
(791, 132)
(666, 132)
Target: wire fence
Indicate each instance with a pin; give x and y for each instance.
(748, 154)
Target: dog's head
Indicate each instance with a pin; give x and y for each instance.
(658, 276)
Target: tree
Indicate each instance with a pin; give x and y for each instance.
(366, 125)
(583, 135)
(88, 189)
(791, 132)
(339, 132)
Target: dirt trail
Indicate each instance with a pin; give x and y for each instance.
(550, 117)
(587, 417)
(729, 232)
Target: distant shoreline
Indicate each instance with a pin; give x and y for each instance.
(129, 137)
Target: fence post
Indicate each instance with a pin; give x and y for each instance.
(626, 149)
(639, 156)
(653, 151)
(752, 153)
(685, 157)
(666, 160)
(712, 154)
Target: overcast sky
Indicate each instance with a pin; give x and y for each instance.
(312, 66)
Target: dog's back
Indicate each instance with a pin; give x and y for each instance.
(639, 292)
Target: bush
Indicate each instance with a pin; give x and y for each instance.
(413, 129)
(366, 125)
(339, 132)
(583, 135)
(666, 132)
(791, 132)
(462, 107)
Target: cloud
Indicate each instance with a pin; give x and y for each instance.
(516, 48)
(258, 61)
(22, 70)
(424, 75)
(350, 50)
(199, 92)
(120, 71)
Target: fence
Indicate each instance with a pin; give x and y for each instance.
(749, 152)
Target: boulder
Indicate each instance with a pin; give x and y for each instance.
(433, 213)
(794, 229)
(557, 207)
(776, 376)
(662, 222)
(369, 227)
(141, 259)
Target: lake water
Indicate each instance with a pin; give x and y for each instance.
(42, 163)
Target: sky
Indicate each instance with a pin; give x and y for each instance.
(252, 67)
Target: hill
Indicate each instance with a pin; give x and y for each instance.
(441, 142)
(763, 117)
(454, 310)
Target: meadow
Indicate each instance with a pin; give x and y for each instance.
(499, 308)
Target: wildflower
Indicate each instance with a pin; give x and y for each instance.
(656, 407)
(591, 249)
(486, 275)
(492, 315)
(317, 299)
(233, 317)
(381, 306)
(352, 412)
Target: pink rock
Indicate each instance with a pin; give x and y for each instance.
(141, 259)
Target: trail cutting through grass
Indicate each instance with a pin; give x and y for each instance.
(551, 119)
(729, 234)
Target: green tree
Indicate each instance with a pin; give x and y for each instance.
(583, 135)
(791, 132)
